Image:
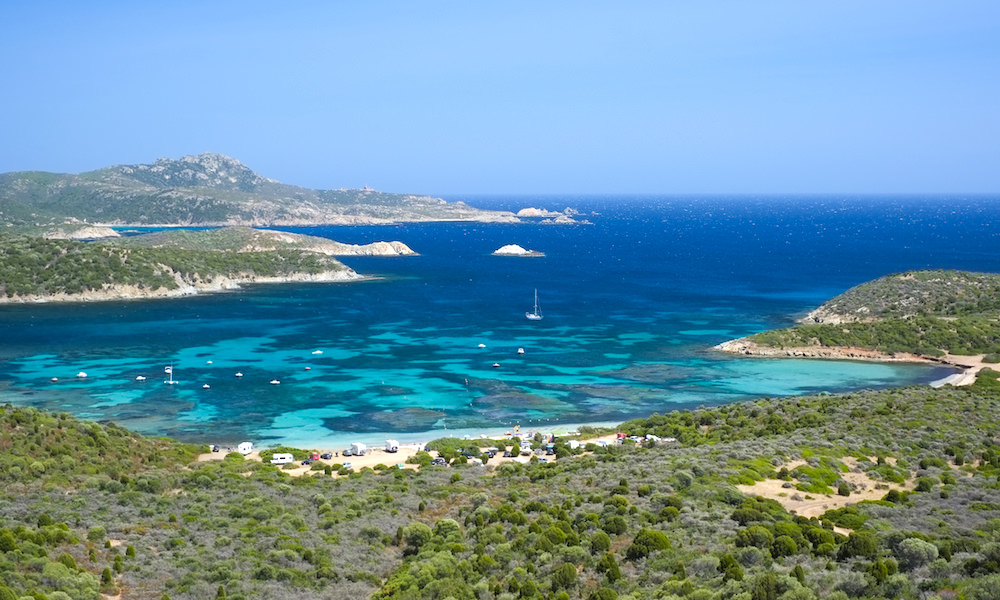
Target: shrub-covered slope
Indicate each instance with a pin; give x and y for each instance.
(647, 520)
(31, 266)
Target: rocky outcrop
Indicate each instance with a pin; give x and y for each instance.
(828, 316)
(565, 220)
(515, 250)
(537, 212)
(551, 217)
(374, 249)
(247, 239)
(748, 347)
(86, 232)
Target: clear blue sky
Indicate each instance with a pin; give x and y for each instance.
(515, 96)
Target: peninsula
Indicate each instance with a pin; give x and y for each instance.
(946, 317)
(171, 263)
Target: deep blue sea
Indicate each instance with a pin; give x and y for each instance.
(632, 305)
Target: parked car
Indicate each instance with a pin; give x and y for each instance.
(308, 461)
(439, 462)
(326, 456)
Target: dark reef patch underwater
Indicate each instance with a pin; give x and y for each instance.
(631, 303)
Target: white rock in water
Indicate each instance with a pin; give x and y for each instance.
(512, 249)
(536, 212)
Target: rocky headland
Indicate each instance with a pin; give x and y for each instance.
(172, 263)
(941, 317)
(248, 239)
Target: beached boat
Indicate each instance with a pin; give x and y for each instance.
(536, 315)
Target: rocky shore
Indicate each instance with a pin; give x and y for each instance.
(184, 288)
(750, 348)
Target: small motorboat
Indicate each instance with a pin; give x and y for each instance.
(81, 375)
(275, 382)
(496, 365)
(317, 352)
(239, 374)
(205, 387)
(520, 350)
(482, 345)
(140, 378)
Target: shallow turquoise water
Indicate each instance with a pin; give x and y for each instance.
(632, 305)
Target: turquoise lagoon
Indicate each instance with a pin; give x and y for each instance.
(633, 303)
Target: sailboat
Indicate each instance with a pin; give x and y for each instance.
(170, 371)
(536, 315)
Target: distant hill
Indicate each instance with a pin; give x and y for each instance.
(209, 190)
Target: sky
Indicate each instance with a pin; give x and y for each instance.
(515, 97)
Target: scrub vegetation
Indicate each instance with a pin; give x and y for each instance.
(89, 509)
(33, 266)
(208, 189)
(919, 312)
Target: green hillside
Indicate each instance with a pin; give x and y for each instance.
(208, 189)
(89, 508)
(31, 266)
(920, 312)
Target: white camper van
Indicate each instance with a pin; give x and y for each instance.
(391, 446)
(282, 458)
(245, 448)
